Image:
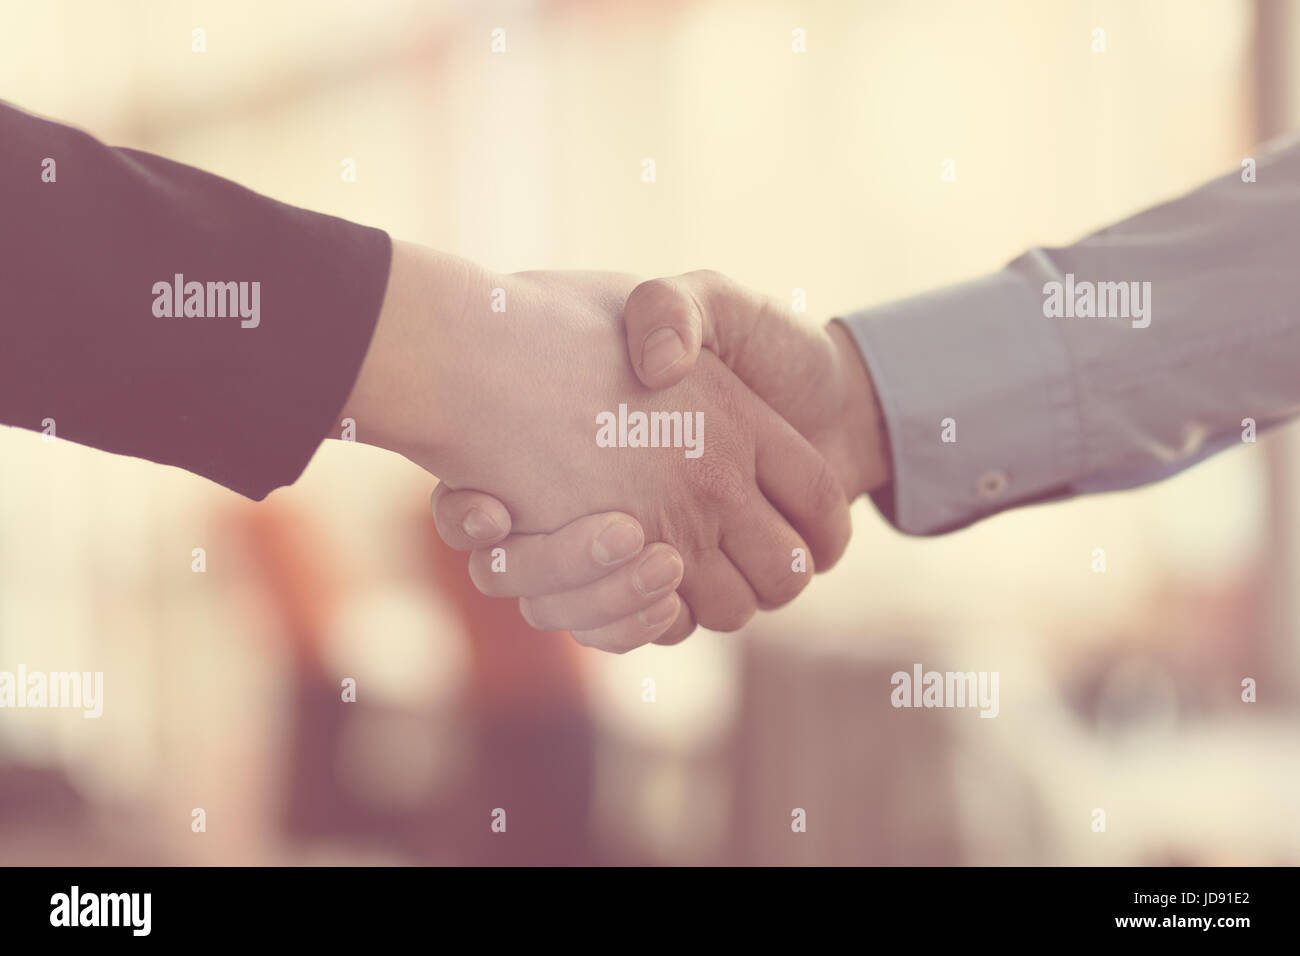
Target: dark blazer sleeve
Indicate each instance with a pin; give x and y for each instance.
(80, 343)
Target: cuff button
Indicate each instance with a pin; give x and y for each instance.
(992, 484)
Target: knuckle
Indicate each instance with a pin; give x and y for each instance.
(709, 277)
(719, 485)
(825, 492)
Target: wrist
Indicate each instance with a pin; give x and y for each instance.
(399, 399)
(865, 448)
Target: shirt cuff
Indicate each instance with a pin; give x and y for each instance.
(978, 398)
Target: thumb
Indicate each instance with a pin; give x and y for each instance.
(669, 320)
(664, 327)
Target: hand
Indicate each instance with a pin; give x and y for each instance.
(509, 400)
(815, 378)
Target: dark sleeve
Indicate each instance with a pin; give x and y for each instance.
(240, 396)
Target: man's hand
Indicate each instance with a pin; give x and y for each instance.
(505, 391)
(814, 378)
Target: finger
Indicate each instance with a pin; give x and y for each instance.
(635, 630)
(681, 628)
(799, 483)
(467, 520)
(768, 552)
(583, 551)
(720, 597)
(634, 587)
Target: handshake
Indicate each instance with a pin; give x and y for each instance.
(631, 459)
(733, 440)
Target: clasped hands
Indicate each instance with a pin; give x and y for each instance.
(502, 392)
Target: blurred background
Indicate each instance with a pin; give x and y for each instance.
(818, 171)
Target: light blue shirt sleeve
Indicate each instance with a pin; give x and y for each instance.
(1110, 363)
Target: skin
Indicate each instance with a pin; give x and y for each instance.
(814, 378)
(507, 401)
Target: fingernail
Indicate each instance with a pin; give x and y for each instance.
(660, 570)
(658, 613)
(480, 525)
(662, 349)
(618, 542)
